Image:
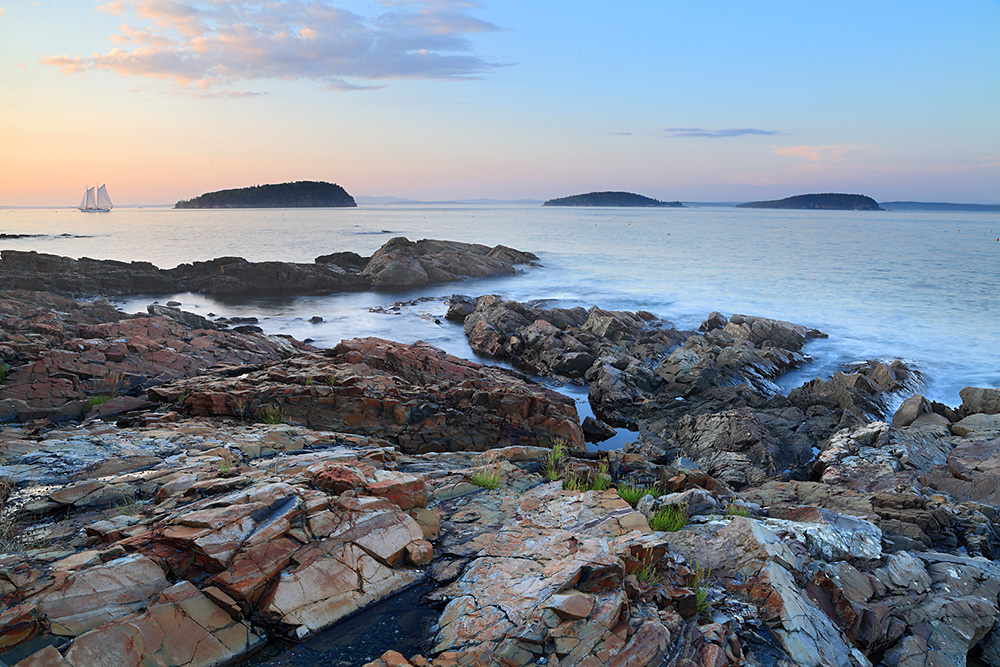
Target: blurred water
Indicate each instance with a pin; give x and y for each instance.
(914, 285)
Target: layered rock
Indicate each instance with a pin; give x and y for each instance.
(254, 550)
(416, 395)
(65, 358)
(398, 264)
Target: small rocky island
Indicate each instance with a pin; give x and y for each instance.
(610, 199)
(828, 201)
(301, 194)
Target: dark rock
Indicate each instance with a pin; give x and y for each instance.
(595, 430)
(349, 261)
(459, 307)
(190, 320)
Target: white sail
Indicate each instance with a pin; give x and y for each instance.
(103, 200)
(83, 199)
(90, 199)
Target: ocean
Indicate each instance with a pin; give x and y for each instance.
(920, 286)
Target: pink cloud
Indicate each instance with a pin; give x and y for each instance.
(835, 152)
(213, 43)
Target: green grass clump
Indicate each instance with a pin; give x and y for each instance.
(489, 475)
(647, 569)
(310, 382)
(735, 509)
(271, 414)
(488, 479)
(632, 493)
(603, 480)
(332, 380)
(701, 590)
(552, 465)
(589, 481)
(669, 518)
(94, 401)
(4, 369)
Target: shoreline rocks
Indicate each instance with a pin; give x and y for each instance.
(399, 264)
(239, 487)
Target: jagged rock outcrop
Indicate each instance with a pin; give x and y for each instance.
(416, 395)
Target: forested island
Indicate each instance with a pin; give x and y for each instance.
(828, 201)
(283, 195)
(939, 206)
(610, 199)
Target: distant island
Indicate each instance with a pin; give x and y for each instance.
(938, 206)
(828, 201)
(609, 199)
(283, 195)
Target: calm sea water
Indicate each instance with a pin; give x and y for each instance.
(918, 286)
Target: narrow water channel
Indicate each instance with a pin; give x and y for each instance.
(401, 623)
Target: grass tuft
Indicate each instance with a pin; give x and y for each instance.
(735, 509)
(632, 493)
(271, 414)
(130, 504)
(647, 569)
(669, 518)
(701, 589)
(4, 370)
(552, 466)
(489, 476)
(94, 401)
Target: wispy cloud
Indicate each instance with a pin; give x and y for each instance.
(215, 43)
(700, 133)
(831, 153)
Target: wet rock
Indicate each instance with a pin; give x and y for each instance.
(459, 307)
(190, 320)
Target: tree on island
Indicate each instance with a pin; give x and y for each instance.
(609, 199)
(827, 201)
(283, 195)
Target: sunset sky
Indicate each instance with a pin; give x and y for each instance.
(697, 101)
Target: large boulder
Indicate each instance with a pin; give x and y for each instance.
(403, 263)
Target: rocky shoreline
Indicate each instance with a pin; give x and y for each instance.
(177, 493)
(399, 264)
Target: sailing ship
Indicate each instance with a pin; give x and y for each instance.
(96, 200)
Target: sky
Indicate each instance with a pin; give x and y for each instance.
(709, 100)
